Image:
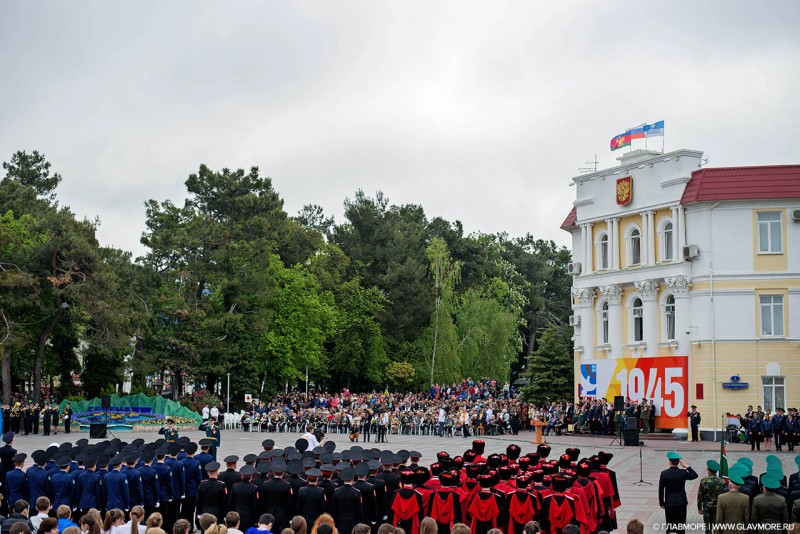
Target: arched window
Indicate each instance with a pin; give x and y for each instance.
(669, 316)
(668, 254)
(635, 247)
(602, 251)
(638, 320)
(604, 324)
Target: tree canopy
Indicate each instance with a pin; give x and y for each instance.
(232, 284)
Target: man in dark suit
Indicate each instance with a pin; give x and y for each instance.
(347, 503)
(672, 491)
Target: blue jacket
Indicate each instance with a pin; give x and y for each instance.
(115, 489)
(88, 491)
(17, 484)
(204, 458)
(150, 486)
(134, 485)
(164, 482)
(178, 477)
(63, 488)
(38, 484)
(64, 523)
(194, 475)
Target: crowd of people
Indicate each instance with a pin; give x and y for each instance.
(762, 427)
(482, 407)
(113, 487)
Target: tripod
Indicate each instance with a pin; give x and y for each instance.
(618, 437)
(641, 468)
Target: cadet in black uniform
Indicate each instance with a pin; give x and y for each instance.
(231, 476)
(368, 498)
(311, 500)
(7, 453)
(245, 498)
(347, 503)
(212, 495)
(276, 495)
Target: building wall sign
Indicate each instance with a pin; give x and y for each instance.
(735, 383)
(624, 190)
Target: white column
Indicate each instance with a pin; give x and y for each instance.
(645, 239)
(649, 291)
(680, 232)
(651, 237)
(613, 294)
(584, 299)
(583, 244)
(683, 312)
(589, 249)
(613, 245)
(676, 228)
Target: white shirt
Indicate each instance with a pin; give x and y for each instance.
(205, 412)
(441, 415)
(312, 441)
(215, 412)
(126, 528)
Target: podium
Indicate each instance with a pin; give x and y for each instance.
(539, 438)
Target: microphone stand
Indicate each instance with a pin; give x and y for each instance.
(641, 468)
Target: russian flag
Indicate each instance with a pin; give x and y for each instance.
(637, 132)
(654, 130)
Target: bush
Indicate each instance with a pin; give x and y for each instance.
(200, 399)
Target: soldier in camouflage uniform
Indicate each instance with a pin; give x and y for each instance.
(711, 487)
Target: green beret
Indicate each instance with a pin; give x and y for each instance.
(736, 478)
(672, 455)
(712, 465)
(797, 459)
(770, 483)
(772, 459)
(746, 461)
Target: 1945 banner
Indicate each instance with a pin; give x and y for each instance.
(665, 379)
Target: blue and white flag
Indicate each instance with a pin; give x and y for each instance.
(654, 130)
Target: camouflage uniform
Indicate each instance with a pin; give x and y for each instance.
(711, 487)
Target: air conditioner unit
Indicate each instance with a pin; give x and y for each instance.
(796, 215)
(690, 252)
(574, 320)
(574, 269)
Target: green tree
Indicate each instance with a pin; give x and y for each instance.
(487, 332)
(441, 337)
(400, 374)
(551, 367)
(358, 353)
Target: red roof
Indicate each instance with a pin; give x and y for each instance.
(743, 183)
(571, 219)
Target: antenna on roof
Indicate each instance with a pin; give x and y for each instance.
(593, 167)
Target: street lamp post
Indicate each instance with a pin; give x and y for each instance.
(228, 409)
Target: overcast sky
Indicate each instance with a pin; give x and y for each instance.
(478, 111)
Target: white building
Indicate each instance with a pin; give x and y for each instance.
(698, 264)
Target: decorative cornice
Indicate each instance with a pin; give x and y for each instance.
(648, 288)
(612, 293)
(679, 284)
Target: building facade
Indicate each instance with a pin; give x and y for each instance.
(697, 266)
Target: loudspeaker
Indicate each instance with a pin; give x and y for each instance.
(631, 436)
(105, 402)
(619, 403)
(98, 430)
(630, 422)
